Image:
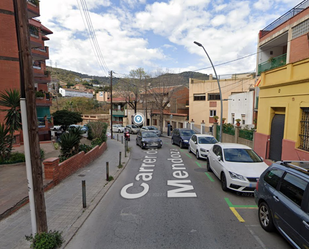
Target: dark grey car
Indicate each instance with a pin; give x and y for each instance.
(282, 195)
(181, 137)
(148, 139)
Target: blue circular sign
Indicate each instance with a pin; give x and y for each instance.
(138, 119)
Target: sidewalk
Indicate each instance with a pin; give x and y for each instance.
(64, 202)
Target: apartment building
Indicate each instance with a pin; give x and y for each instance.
(9, 61)
(204, 98)
(283, 63)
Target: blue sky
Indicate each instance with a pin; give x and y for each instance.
(157, 35)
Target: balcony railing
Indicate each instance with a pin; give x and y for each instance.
(288, 15)
(34, 31)
(35, 2)
(272, 63)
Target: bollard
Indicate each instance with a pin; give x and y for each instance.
(117, 137)
(119, 158)
(84, 193)
(125, 148)
(122, 140)
(107, 171)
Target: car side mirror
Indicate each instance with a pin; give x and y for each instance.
(219, 158)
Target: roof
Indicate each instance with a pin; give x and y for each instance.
(203, 135)
(233, 146)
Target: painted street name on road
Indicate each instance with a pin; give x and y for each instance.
(146, 170)
(183, 185)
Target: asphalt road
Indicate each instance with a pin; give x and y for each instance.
(165, 199)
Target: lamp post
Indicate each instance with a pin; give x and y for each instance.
(200, 45)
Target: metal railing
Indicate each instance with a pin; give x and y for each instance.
(288, 15)
(272, 63)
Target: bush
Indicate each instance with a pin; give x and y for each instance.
(15, 157)
(96, 141)
(97, 130)
(50, 240)
(85, 148)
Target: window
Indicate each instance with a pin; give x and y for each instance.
(293, 187)
(213, 96)
(155, 122)
(304, 132)
(212, 113)
(273, 177)
(199, 97)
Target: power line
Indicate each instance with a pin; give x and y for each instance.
(91, 33)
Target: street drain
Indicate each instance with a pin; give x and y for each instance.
(81, 175)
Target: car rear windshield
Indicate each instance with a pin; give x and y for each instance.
(187, 133)
(149, 134)
(207, 140)
(241, 155)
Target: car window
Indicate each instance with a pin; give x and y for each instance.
(186, 133)
(193, 138)
(149, 134)
(293, 187)
(207, 140)
(273, 177)
(217, 150)
(241, 155)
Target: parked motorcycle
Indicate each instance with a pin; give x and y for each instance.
(127, 135)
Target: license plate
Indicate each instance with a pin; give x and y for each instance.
(154, 144)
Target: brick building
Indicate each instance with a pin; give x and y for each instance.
(9, 61)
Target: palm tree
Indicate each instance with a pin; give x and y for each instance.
(10, 99)
(5, 142)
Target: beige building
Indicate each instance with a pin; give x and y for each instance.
(204, 96)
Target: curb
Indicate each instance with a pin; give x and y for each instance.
(85, 213)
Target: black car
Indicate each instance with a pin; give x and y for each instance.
(181, 137)
(148, 139)
(282, 195)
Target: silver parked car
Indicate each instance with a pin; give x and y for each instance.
(133, 129)
(152, 129)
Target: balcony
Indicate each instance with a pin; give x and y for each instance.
(272, 63)
(33, 8)
(41, 53)
(119, 113)
(43, 100)
(285, 17)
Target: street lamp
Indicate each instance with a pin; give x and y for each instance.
(200, 45)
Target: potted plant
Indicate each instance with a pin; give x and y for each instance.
(238, 121)
(216, 119)
(39, 94)
(223, 120)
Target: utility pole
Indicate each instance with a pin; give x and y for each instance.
(111, 104)
(28, 107)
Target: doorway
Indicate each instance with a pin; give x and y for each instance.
(276, 137)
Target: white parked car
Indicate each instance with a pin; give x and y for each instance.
(118, 128)
(236, 165)
(200, 144)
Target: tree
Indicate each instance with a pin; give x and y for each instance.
(162, 91)
(66, 118)
(131, 86)
(11, 100)
(5, 142)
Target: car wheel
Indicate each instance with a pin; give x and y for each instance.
(197, 155)
(223, 182)
(172, 141)
(208, 166)
(265, 218)
(119, 131)
(181, 145)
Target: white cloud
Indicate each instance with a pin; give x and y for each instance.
(135, 34)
